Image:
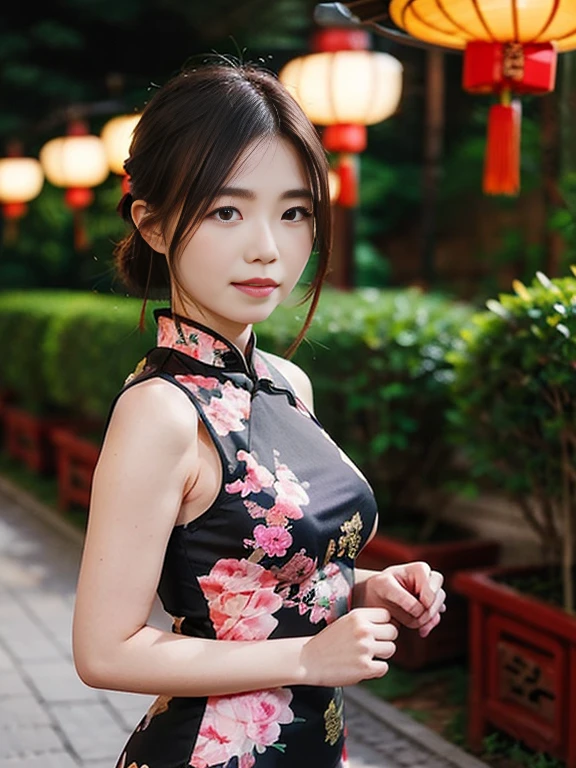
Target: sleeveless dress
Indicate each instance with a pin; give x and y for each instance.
(273, 556)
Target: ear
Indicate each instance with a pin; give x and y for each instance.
(154, 237)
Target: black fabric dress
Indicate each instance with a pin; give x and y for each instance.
(272, 557)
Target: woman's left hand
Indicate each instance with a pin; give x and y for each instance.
(412, 592)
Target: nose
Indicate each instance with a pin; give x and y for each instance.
(262, 245)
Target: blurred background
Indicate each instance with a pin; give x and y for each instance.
(103, 58)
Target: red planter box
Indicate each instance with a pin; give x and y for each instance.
(523, 666)
(27, 438)
(76, 461)
(449, 640)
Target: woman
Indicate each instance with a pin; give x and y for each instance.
(216, 485)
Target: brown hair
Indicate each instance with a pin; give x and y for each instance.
(190, 136)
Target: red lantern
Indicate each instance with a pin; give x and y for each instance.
(347, 170)
(344, 87)
(21, 180)
(76, 162)
(504, 69)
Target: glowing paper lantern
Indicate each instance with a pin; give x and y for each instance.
(344, 87)
(21, 180)
(75, 160)
(117, 135)
(510, 47)
(345, 90)
(78, 162)
(360, 87)
(454, 23)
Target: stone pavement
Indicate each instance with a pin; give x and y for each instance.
(50, 719)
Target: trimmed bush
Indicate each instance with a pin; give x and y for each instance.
(25, 320)
(90, 352)
(514, 411)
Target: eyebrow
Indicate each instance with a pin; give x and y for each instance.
(247, 194)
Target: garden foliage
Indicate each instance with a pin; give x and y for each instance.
(514, 412)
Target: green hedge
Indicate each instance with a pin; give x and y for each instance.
(377, 360)
(514, 410)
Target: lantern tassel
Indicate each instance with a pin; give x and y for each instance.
(80, 236)
(348, 173)
(502, 161)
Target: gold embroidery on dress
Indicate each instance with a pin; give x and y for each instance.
(349, 542)
(177, 624)
(158, 706)
(256, 556)
(334, 721)
(330, 549)
(139, 368)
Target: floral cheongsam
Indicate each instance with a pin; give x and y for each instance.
(273, 556)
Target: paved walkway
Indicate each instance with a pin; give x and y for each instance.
(50, 719)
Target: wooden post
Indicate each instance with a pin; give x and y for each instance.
(343, 229)
(433, 142)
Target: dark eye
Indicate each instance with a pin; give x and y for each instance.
(224, 214)
(297, 214)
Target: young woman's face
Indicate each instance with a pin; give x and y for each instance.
(259, 230)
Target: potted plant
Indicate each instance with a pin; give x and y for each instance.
(515, 416)
(377, 359)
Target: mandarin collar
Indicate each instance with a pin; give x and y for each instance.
(201, 342)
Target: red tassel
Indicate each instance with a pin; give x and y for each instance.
(502, 161)
(348, 173)
(345, 137)
(80, 237)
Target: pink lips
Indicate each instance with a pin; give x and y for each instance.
(257, 287)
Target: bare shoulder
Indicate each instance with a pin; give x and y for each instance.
(151, 441)
(154, 408)
(296, 376)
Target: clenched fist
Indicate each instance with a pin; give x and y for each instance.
(351, 649)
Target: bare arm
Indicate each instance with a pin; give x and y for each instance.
(149, 461)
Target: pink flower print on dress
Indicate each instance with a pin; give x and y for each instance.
(235, 726)
(325, 593)
(194, 342)
(257, 477)
(229, 411)
(290, 493)
(206, 347)
(279, 514)
(261, 367)
(226, 410)
(296, 570)
(241, 600)
(274, 540)
(255, 510)
(196, 382)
